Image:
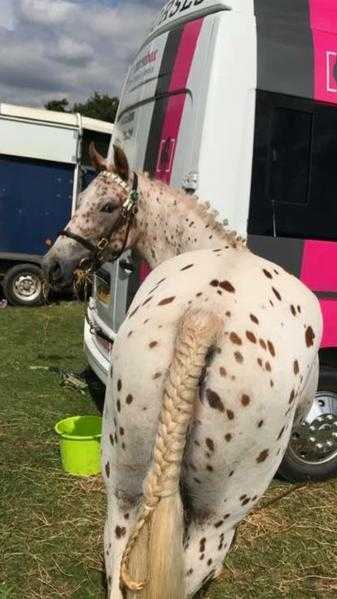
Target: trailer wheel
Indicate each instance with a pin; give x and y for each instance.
(312, 450)
(23, 285)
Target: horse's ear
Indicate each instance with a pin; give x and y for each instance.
(121, 163)
(98, 162)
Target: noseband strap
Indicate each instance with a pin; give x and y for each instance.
(128, 210)
(87, 244)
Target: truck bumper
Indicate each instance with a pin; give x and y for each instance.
(97, 350)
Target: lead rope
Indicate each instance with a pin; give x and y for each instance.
(84, 280)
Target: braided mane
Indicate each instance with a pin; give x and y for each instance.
(206, 213)
(202, 209)
(210, 218)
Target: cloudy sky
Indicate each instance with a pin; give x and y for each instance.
(68, 48)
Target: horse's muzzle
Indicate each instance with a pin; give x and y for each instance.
(58, 274)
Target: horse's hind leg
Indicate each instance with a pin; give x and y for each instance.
(206, 545)
(210, 527)
(116, 532)
(123, 485)
(127, 444)
(119, 523)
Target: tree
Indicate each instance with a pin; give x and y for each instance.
(58, 105)
(97, 106)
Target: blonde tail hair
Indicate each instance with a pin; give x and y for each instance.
(154, 553)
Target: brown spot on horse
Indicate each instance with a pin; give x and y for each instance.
(277, 294)
(238, 356)
(245, 400)
(166, 300)
(309, 336)
(210, 444)
(120, 531)
(262, 456)
(235, 339)
(214, 400)
(271, 348)
(227, 286)
(250, 336)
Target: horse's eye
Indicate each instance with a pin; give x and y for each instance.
(108, 207)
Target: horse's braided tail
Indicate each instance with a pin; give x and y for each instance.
(154, 551)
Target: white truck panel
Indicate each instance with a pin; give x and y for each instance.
(38, 140)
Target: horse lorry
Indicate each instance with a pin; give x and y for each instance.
(236, 101)
(44, 165)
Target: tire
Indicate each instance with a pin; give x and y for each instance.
(23, 285)
(315, 460)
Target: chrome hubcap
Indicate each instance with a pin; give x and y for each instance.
(315, 440)
(27, 287)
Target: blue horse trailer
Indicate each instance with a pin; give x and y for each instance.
(44, 164)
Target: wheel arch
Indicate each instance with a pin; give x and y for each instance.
(328, 357)
(9, 260)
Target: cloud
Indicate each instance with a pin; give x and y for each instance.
(68, 48)
(71, 52)
(45, 13)
(6, 14)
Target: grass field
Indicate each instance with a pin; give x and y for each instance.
(51, 524)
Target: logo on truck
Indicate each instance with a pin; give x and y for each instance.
(174, 7)
(145, 60)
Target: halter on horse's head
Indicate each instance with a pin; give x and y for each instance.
(102, 226)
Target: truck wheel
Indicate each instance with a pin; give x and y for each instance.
(23, 285)
(312, 450)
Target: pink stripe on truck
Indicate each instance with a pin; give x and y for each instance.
(319, 273)
(329, 311)
(176, 103)
(175, 107)
(319, 262)
(323, 19)
(320, 257)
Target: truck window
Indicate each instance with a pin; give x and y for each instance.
(289, 156)
(294, 177)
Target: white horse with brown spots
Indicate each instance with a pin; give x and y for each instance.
(215, 360)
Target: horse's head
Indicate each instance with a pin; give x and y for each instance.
(102, 225)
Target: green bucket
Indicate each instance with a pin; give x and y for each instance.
(80, 441)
